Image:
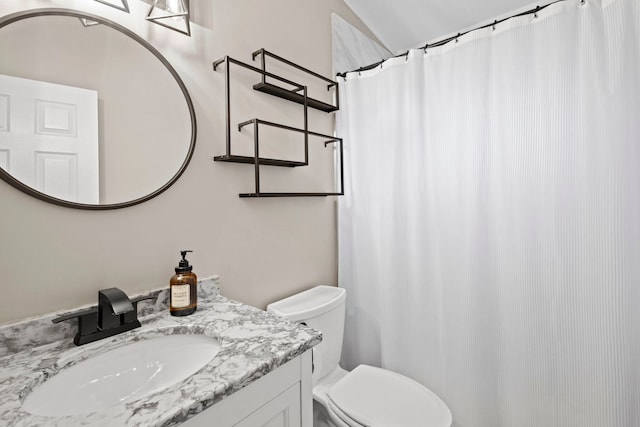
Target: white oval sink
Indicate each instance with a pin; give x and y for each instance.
(121, 375)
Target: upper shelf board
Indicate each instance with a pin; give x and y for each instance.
(289, 95)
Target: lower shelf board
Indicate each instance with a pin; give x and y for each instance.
(254, 195)
(263, 161)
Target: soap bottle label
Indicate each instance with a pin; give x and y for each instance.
(180, 296)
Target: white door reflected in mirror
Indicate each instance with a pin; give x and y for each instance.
(49, 138)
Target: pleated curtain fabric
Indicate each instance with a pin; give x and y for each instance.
(489, 238)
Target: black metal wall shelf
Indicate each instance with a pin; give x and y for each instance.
(291, 95)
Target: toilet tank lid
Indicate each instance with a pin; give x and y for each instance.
(308, 304)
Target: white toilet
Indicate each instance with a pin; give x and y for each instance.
(366, 396)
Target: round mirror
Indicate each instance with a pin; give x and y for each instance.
(91, 115)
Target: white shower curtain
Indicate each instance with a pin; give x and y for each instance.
(489, 239)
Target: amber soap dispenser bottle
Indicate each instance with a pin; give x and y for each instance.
(183, 292)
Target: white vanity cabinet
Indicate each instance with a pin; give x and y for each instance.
(282, 398)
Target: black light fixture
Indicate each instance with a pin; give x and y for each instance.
(172, 14)
(118, 4)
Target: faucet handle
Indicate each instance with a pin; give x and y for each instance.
(87, 322)
(74, 314)
(136, 300)
(133, 315)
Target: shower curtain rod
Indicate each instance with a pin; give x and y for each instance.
(533, 11)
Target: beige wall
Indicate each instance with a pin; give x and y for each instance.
(53, 258)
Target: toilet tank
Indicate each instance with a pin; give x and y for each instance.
(322, 308)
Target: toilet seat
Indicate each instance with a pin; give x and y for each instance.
(375, 397)
(340, 418)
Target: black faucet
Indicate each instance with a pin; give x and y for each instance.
(115, 314)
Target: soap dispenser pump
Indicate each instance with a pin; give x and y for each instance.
(183, 292)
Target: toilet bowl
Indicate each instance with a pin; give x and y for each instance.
(367, 396)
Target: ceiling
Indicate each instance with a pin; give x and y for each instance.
(404, 24)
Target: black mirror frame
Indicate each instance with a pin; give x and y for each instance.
(8, 19)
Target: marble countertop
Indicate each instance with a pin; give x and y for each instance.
(253, 343)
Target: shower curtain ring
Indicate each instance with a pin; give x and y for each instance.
(494, 25)
(425, 48)
(582, 2)
(457, 37)
(535, 14)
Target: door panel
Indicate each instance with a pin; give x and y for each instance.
(4, 113)
(55, 118)
(282, 411)
(57, 174)
(4, 159)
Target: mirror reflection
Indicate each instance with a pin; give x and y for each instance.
(88, 114)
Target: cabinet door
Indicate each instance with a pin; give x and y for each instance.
(282, 398)
(282, 411)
